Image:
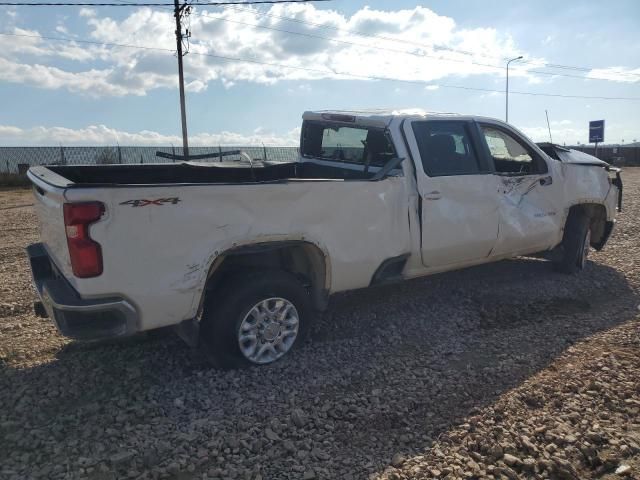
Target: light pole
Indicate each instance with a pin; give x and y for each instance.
(507, 89)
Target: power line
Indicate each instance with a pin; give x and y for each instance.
(356, 32)
(322, 71)
(376, 47)
(395, 50)
(209, 4)
(419, 82)
(409, 42)
(234, 5)
(91, 42)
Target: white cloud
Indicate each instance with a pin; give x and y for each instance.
(87, 12)
(91, 82)
(25, 45)
(619, 74)
(196, 86)
(103, 135)
(560, 135)
(228, 34)
(417, 44)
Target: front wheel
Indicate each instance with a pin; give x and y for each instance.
(576, 243)
(255, 319)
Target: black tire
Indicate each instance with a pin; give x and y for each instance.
(225, 309)
(573, 251)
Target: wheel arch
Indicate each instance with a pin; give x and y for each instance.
(599, 225)
(303, 258)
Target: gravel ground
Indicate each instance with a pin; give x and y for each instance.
(500, 371)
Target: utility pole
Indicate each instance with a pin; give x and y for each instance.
(178, 10)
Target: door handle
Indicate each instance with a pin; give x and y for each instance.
(435, 195)
(544, 181)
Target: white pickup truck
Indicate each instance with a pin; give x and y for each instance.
(241, 257)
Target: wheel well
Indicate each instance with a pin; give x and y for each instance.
(597, 215)
(303, 259)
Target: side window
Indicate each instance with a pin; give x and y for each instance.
(365, 146)
(446, 148)
(509, 154)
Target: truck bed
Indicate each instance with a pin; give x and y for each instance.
(159, 240)
(190, 173)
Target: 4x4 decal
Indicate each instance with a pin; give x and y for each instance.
(159, 201)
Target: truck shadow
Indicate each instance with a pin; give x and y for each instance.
(385, 371)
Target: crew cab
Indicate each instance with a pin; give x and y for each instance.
(241, 257)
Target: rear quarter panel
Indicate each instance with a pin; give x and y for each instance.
(158, 255)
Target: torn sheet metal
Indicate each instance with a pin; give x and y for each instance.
(529, 217)
(569, 155)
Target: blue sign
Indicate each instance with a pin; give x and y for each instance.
(596, 131)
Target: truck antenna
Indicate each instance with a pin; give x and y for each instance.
(549, 126)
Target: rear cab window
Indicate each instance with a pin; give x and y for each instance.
(358, 146)
(447, 148)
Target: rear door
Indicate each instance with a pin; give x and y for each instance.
(457, 189)
(528, 192)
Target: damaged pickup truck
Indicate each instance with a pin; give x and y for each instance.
(240, 258)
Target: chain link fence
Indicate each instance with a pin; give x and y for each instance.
(614, 154)
(17, 160)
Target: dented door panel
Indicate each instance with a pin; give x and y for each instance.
(530, 217)
(529, 191)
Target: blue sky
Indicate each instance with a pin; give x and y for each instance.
(74, 93)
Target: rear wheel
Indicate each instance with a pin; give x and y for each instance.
(576, 243)
(255, 319)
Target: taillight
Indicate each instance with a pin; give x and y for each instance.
(85, 254)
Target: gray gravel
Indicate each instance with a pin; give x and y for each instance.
(501, 371)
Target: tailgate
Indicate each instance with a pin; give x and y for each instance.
(48, 206)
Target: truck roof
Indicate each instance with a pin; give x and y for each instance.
(381, 117)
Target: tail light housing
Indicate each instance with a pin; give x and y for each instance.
(84, 252)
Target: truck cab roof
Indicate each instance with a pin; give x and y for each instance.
(383, 117)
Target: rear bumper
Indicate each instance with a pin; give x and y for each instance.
(74, 316)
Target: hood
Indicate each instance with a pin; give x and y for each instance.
(569, 155)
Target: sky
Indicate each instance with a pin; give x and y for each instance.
(252, 71)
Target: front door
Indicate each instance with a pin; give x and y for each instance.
(458, 192)
(528, 193)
